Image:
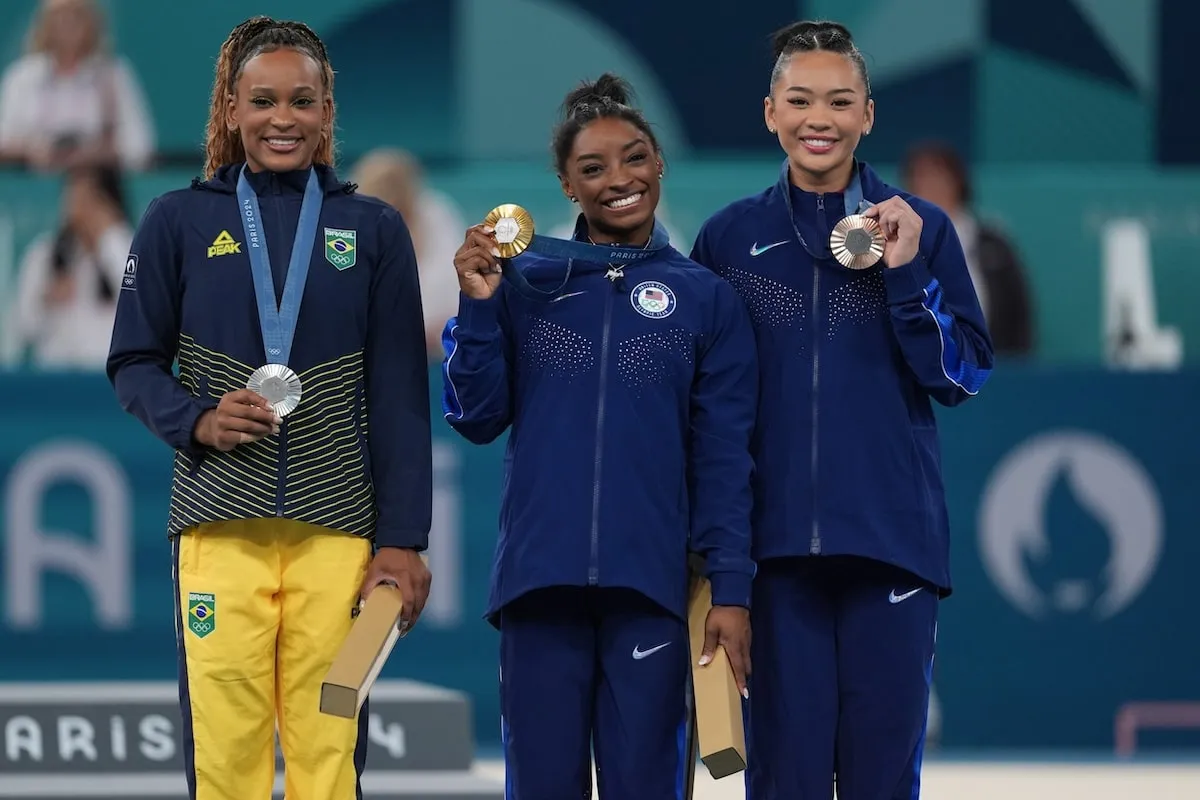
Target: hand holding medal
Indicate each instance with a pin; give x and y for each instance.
(508, 231)
(900, 227)
(477, 262)
(241, 417)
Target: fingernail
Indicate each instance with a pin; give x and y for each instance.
(275, 431)
(278, 420)
(704, 659)
(496, 252)
(488, 229)
(746, 693)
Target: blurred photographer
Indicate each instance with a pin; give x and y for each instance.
(69, 101)
(69, 279)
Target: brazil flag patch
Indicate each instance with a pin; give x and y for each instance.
(202, 613)
(341, 248)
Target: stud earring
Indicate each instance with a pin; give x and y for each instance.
(771, 130)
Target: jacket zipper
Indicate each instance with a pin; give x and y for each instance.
(594, 561)
(814, 544)
(282, 470)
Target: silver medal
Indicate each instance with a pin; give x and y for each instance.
(279, 386)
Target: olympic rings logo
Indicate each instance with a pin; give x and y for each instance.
(201, 627)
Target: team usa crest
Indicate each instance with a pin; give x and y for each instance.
(653, 299)
(341, 248)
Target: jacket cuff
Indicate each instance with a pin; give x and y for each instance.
(907, 283)
(478, 315)
(731, 589)
(406, 539)
(186, 437)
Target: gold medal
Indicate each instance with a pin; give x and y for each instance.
(857, 242)
(513, 228)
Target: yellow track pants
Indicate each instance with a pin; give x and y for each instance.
(262, 607)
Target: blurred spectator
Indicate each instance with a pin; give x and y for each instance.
(70, 102)
(437, 227)
(69, 279)
(935, 173)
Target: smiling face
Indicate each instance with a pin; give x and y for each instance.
(280, 109)
(819, 109)
(613, 171)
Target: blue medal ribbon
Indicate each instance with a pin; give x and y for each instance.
(575, 250)
(853, 197)
(278, 320)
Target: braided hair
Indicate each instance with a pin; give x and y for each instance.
(809, 36)
(254, 36)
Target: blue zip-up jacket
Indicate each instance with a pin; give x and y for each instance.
(631, 404)
(847, 451)
(188, 295)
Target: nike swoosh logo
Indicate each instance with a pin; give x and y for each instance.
(565, 296)
(758, 251)
(894, 598)
(638, 655)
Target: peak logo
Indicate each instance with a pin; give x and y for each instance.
(1050, 503)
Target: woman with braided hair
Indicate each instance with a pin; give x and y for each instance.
(286, 507)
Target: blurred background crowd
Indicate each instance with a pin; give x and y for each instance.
(1058, 135)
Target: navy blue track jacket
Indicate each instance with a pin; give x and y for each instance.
(631, 405)
(847, 453)
(188, 294)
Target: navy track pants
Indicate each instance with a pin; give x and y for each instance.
(843, 654)
(593, 669)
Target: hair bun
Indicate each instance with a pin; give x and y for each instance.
(608, 89)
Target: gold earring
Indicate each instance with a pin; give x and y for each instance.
(771, 130)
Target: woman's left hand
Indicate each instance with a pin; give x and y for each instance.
(405, 569)
(901, 230)
(729, 628)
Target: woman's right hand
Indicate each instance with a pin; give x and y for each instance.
(478, 263)
(241, 417)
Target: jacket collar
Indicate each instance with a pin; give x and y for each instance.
(874, 189)
(226, 177)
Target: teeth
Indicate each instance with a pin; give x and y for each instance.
(624, 201)
(818, 142)
(282, 142)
